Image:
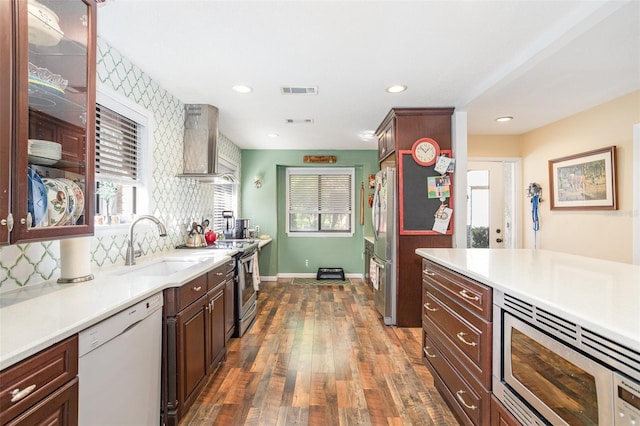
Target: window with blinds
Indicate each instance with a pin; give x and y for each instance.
(116, 145)
(222, 200)
(320, 201)
(117, 165)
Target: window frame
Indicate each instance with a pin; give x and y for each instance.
(322, 171)
(122, 105)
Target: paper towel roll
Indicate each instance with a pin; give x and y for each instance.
(75, 260)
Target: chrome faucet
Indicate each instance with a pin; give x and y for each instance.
(130, 259)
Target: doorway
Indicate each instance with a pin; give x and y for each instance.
(491, 204)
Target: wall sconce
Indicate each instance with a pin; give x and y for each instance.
(257, 182)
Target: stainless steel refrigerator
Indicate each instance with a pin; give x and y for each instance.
(384, 217)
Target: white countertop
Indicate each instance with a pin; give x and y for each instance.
(599, 294)
(37, 316)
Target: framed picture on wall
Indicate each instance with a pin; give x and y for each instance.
(585, 181)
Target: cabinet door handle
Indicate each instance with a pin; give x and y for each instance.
(427, 353)
(428, 308)
(218, 273)
(428, 273)
(459, 396)
(465, 341)
(26, 221)
(17, 394)
(464, 294)
(197, 288)
(8, 222)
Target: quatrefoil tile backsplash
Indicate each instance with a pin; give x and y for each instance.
(176, 201)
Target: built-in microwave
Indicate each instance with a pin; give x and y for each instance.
(547, 370)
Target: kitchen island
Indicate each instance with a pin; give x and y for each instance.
(497, 322)
(599, 294)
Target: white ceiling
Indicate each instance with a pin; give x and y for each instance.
(538, 61)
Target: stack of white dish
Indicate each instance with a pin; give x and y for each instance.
(44, 28)
(43, 152)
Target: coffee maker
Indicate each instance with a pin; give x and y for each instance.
(228, 227)
(241, 231)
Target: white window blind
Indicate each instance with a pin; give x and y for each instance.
(222, 200)
(320, 200)
(117, 151)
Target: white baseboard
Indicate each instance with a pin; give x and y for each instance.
(303, 275)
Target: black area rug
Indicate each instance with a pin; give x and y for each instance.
(313, 281)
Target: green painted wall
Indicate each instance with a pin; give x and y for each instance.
(266, 207)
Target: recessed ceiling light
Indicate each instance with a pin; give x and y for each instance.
(241, 88)
(396, 88)
(504, 119)
(272, 135)
(367, 135)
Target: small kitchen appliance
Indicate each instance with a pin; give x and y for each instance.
(241, 231)
(228, 227)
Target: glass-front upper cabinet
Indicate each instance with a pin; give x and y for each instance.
(54, 135)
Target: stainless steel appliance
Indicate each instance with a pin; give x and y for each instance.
(246, 294)
(384, 217)
(548, 370)
(241, 231)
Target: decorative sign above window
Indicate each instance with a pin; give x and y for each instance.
(320, 159)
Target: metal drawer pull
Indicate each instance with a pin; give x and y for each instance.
(463, 340)
(18, 394)
(428, 273)
(197, 288)
(427, 353)
(464, 294)
(427, 307)
(218, 273)
(459, 396)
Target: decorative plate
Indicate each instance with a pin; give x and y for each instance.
(71, 200)
(36, 198)
(57, 195)
(78, 195)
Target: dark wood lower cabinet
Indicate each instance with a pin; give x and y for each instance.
(457, 341)
(230, 307)
(500, 416)
(191, 343)
(42, 389)
(194, 341)
(216, 334)
(58, 409)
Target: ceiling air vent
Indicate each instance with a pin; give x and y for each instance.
(299, 120)
(299, 90)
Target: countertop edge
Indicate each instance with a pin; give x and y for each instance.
(620, 335)
(82, 322)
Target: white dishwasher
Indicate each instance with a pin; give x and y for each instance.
(119, 367)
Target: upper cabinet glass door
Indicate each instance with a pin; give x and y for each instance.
(56, 128)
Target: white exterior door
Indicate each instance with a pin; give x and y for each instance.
(487, 226)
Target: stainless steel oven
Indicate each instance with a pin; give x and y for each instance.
(245, 292)
(549, 370)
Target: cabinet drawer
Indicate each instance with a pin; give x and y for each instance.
(59, 408)
(468, 339)
(191, 291)
(45, 372)
(216, 276)
(460, 289)
(470, 406)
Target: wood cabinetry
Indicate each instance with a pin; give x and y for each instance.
(47, 93)
(457, 340)
(500, 416)
(230, 307)
(193, 340)
(43, 389)
(398, 131)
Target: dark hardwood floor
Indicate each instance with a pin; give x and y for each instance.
(320, 355)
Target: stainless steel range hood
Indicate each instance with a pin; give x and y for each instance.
(200, 158)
